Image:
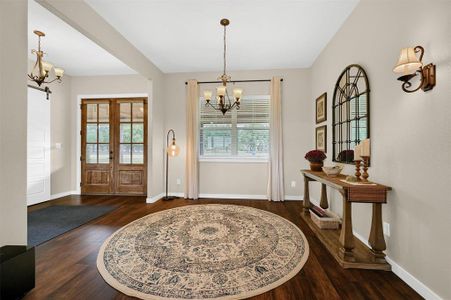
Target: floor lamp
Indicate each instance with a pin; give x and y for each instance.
(172, 150)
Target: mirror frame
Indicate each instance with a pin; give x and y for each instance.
(353, 84)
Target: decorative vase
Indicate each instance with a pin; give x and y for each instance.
(316, 165)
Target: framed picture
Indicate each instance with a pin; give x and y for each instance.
(321, 138)
(321, 108)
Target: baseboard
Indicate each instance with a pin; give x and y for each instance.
(64, 194)
(234, 196)
(294, 198)
(223, 196)
(53, 197)
(408, 278)
(154, 199)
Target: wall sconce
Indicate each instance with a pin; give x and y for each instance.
(410, 66)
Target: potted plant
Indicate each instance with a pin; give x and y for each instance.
(316, 159)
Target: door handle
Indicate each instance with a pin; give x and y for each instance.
(111, 154)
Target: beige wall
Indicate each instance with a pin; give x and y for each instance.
(245, 178)
(122, 85)
(13, 122)
(60, 128)
(156, 131)
(410, 133)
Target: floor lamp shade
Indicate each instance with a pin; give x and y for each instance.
(171, 150)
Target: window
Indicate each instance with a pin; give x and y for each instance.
(98, 134)
(242, 133)
(131, 133)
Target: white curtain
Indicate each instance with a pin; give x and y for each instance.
(276, 190)
(192, 133)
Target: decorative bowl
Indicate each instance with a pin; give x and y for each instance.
(332, 171)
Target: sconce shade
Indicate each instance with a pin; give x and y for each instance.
(47, 66)
(408, 62)
(221, 90)
(59, 72)
(237, 93)
(207, 95)
(173, 149)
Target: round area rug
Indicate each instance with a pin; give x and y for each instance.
(203, 252)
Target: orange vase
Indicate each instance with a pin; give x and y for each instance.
(316, 166)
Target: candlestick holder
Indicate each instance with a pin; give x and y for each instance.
(366, 162)
(357, 169)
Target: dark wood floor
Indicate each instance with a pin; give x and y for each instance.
(66, 265)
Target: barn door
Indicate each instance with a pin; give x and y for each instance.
(114, 146)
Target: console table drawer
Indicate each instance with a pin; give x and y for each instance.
(367, 195)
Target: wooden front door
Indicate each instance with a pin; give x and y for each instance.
(114, 146)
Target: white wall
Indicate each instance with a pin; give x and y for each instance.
(13, 122)
(245, 178)
(60, 132)
(410, 133)
(102, 86)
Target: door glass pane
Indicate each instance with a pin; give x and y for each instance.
(125, 154)
(125, 112)
(104, 112)
(91, 133)
(104, 153)
(138, 154)
(104, 133)
(92, 112)
(91, 153)
(138, 133)
(138, 112)
(125, 133)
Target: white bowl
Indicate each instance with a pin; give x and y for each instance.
(332, 171)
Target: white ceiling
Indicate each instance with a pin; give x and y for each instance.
(69, 49)
(185, 35)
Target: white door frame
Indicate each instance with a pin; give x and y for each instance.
(78, 126)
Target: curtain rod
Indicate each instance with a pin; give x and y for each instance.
(235, 81)
(45, 90)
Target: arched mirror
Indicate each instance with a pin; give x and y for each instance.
(350, 113)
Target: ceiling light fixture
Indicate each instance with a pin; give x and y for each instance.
(223, 102)
(41, 70)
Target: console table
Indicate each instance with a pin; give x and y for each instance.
(348, 251)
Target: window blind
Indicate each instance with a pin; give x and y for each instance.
(242, 133)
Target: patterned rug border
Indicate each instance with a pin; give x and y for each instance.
(133, 293)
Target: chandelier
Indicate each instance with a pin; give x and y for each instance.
(41, 70)
(223, 102)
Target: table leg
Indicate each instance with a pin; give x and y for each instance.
(306, 201)
(346, 235)
(376, 240)
(323, 203)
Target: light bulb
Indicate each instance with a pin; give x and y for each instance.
(173, 149)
